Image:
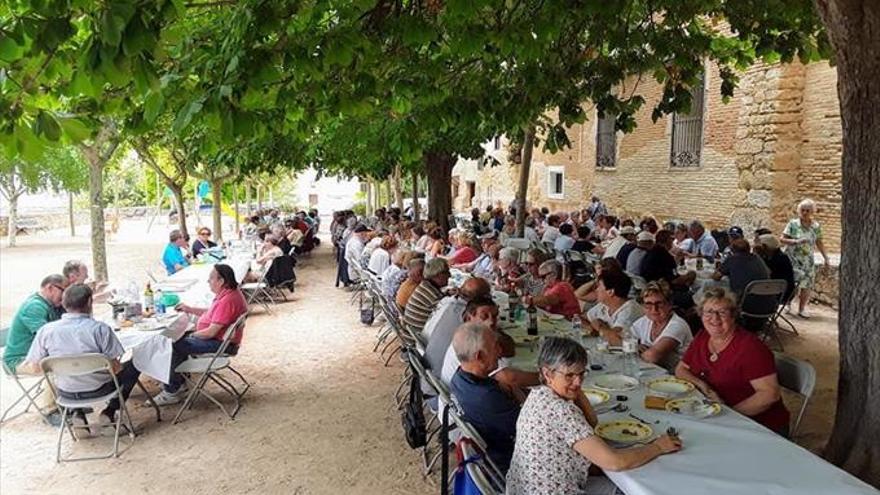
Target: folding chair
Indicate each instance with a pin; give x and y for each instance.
(208, 367)
(491, 479)
(28, 392)
(157, 272)
(259, 291)
(761, 300)
(85, 364)
(799, 377)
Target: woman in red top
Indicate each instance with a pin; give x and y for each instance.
(558, 296)
(228, 305)
(465, 252)
(731, 365)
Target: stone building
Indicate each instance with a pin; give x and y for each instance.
(747, 162)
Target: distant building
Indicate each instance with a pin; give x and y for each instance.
(327, 194)
(748, 162)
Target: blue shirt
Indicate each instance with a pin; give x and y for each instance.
(706, 246)
(173, 256)
(491, 411)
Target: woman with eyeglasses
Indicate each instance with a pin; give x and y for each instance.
(555, 443)
(731, 365)
(663, 335)
(203, 241)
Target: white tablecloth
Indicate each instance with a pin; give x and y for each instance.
(726, 454)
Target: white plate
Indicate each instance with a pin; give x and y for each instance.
(552, 316)
(694, 407)
(596, 397)
(624, 431)
(615, 383)
(669, 386)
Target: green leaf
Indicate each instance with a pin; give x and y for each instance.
(186, 114)
(9, 49)
(46, 125)
(153, 104)
(75, 129)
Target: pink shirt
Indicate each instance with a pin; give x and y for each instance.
(227, 306)
(568, 304)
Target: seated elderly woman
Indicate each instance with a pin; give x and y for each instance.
(381, 256)
(203, 241)
(467, 248)
(228, 305)
(269, 250)
(663, 335)
(507, 269)
(730, 364)
(555, 443)
(558, 295)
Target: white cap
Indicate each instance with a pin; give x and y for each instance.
(645, 236)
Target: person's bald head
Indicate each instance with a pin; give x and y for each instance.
(475, 287)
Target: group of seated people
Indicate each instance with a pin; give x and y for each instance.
(523, 415)
(58, 320)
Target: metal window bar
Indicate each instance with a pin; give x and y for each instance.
(606, 143)
(687, 131)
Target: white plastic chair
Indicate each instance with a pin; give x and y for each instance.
(259, 291)
(208, 367)
(799, 377)
(29, 391)
(78, 365)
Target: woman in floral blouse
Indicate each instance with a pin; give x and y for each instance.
(555, 444)
(801, 237)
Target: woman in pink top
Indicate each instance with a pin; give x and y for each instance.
(558, 296)
(228, 305)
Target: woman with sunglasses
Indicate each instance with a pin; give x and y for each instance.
(731, 365)
(555, 444)
(663, 335)
(203, 241)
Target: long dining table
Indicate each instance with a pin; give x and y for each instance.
(724, 454)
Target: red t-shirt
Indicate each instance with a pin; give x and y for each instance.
(462, 255)
(568, 304)
(227, 306)
(746, 358)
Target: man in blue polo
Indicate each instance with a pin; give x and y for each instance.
(485, 404)
(173, 257)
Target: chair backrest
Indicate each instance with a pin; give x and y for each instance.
(761, 298)
(236, 327)
(483, 472)
(76, 364)
(795, 374)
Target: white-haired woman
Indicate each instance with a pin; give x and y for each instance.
(801, 237)
(555, 443)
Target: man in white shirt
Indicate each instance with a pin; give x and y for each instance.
(627, 234)
(614, 311)
(551, 232)
(354, 249)
(644, 243)
(448, 316)
(529, 232)
(704, 244)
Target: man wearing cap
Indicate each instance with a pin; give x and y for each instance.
(627, 235)
(644, 243)
(629, 247)
(733, 233)
(354, 249)
(767, 247)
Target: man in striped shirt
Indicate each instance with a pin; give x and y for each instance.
(426, 296)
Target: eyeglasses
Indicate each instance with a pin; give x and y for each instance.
(570, 377)
(58, 287)
(713, 313)
(654, 304)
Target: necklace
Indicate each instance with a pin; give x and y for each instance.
(713, 355)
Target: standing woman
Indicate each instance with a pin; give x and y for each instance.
(801, 237)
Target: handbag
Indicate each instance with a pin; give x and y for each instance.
(368, 315)
(413, 417)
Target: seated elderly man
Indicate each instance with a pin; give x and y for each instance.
(625, 239)
(354, 249)
(415, 269)
(644, 243)
(615, 311)
(558, 295)
(75, 272)
(78, 333)
(486, 405)
(767, 247)
(704, 245)
(742, 267)
(449, 315)
(425, 297)
(36, 311)
(173, 257)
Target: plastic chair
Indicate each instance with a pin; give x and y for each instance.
(761, 300)
(797, 376)
(29, 392)
(78, 365)
(259, 291)
(208, 367)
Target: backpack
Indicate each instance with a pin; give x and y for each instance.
(413, 417)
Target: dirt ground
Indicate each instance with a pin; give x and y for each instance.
(319, 417)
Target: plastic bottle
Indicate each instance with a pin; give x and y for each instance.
(148, 298)
(630, 354)
(533, 320)
(577, 328)
(160, 304)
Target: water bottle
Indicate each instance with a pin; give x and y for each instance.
(630, 354)
(577, 328)
(160, 304)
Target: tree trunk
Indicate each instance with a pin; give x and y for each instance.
(388, 201)
(259, 199)
(177, 192)
(438, 168)
(523, 189)
(216, 198)
(369, 208)
(70, 214)
(11, 231)
(854, 28)
(235, 202)
(247, 198)
(398, 194)
(415, 191)
(96, 211)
